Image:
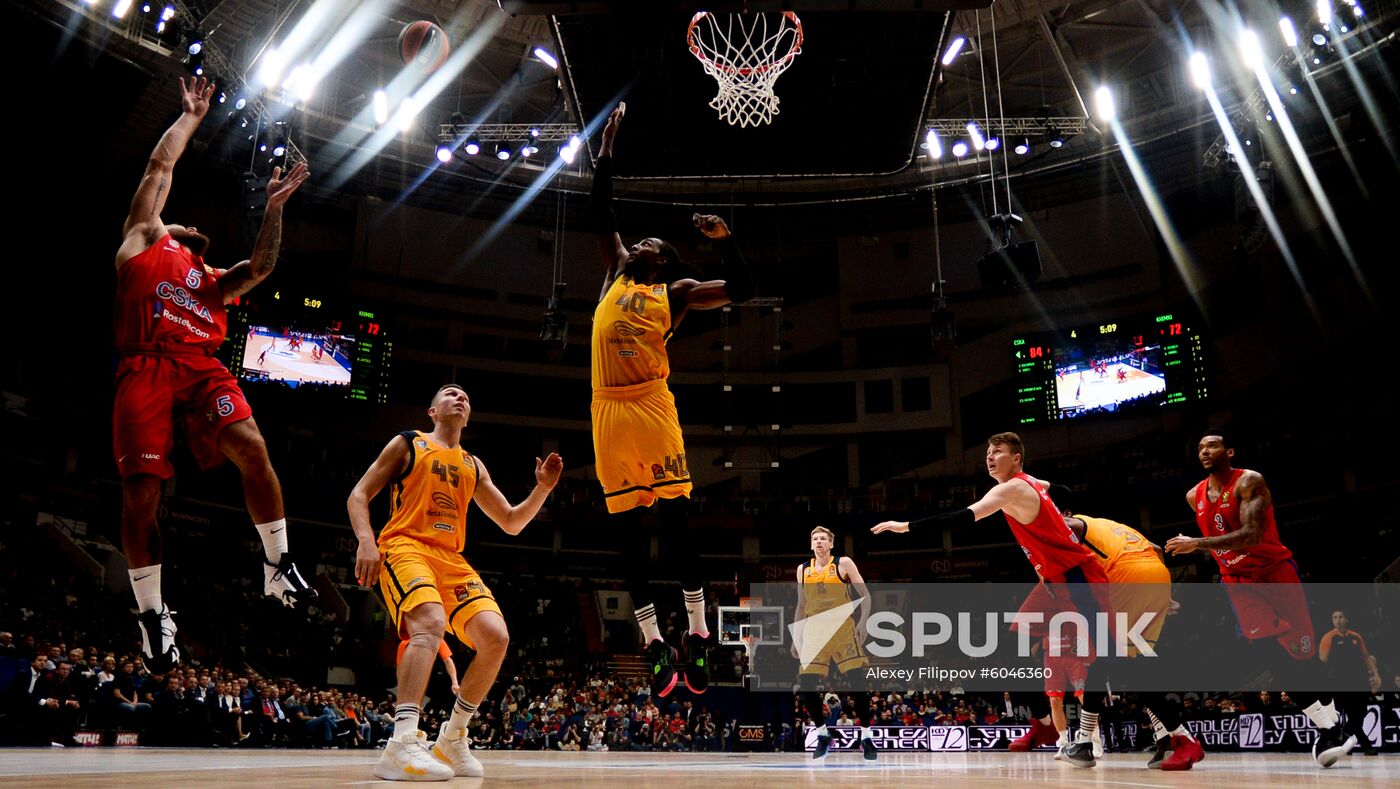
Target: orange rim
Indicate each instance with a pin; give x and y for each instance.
(744, 72)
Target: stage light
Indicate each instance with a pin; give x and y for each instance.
(568, 152)
(993, 143)
(279, 150)
(167, 14)
(444, 154)
(1250, 49)
(381, 107)
(953, 50)
(119, 10)
(1319, 40)
(1324, 12)
(1200, 70)
(1103, 104)
(960, 149)
(546, 58)
(472, 148)
(503, 151)
(976, 135)
(240, 104)
(1023, 147)
(1290, 33)
(934, 145)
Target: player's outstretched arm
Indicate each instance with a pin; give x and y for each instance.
(244, 276)
(737, 284)
(513, 520)
(1003, 495)
(610, 248)
(391, 462)
(143, 225)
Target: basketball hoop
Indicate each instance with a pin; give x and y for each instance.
(745, 54)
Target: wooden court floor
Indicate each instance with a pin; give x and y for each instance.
(147, 767)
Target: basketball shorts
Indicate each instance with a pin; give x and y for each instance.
(1066, 671)
(637, 445)
(1139, 587)
(415, 574)
(152, 391)
(843, 649)
(1270, 603)
(1083, 589)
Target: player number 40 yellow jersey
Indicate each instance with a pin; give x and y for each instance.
(631, 325)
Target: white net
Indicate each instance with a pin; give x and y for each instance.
(745, 54)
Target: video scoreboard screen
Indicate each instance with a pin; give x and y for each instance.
(1128, 366)
(300, 341)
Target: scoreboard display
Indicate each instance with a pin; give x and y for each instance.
(299, 340)
(1126, 366)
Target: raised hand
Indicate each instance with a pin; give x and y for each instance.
(279, 188)
(194, 97)
(711, 225)
(610, 129)
(547, 471)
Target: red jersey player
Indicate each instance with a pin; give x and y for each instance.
(1235, 513)
(1058, 556)
(170, 318)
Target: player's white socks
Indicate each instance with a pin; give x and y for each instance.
(821, 730)
(1158, 730)
(145, 584)
(462, 713)
(695, 611)
(1184, 732)
(646, 618)
(866, 734)
(274, 538)
(1088, 724)
(405, 721)
(1324, 717)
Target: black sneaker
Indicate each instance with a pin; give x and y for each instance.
(283, 582)
(1079, 754)
(697, 663)
(663, 668)
(867, 749)
(158, 639)
(1164, 749)
(823, 745)
(1331, 745)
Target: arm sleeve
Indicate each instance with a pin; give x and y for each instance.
(600, 200)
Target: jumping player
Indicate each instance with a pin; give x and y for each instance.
(418, 563)
(636, 431)
(1054, 550)
(1235, 513)
(170, 319)
(826, 582)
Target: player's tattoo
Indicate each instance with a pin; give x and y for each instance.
(269, 240)
(160, 190)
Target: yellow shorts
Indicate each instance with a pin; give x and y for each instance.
(1141, 586)
(843, 649)
(637, 445)
(415, 574)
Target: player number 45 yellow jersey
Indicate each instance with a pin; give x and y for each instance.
(428, 501)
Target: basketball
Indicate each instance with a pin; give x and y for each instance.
(423, 44)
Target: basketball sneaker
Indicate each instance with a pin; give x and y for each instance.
(406, 758)
(1038, 735)
(823, 746)
(663, 668)
(1060, 744)
(868, 749)
(160, 650)
(1163, 750)
(1078, 753)
(454, 748)
(1097, 740)
(1186, 751)
(697, 662)
(1331, 744)
(284, 582)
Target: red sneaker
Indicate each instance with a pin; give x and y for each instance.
(1185, 752)
(1039, 734)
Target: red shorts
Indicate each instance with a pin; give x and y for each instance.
(1067, 671)
(1270, 603)
(152, 390)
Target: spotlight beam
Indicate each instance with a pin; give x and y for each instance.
(1300, 157)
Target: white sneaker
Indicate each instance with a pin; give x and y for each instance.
(1097, 739)
(1061, 743)
(158, 638)
(284, 582)
(454, 748)
(407, 758)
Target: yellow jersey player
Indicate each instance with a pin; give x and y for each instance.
(428, 585)
(637, 440)
(826, 582)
